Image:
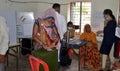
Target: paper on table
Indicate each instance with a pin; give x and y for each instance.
(117, 32)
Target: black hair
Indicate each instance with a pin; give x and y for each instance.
(109, 12)
(56, 5)
(69, 23)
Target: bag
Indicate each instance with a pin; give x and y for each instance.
(65, 59)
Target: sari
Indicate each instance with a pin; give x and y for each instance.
(47, 34)
(92, 55)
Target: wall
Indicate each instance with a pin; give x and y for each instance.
(8, 11)
(98, 7)
(65, 4)
(6, 5)
(97, 12)
(38, 7)
(43, 6)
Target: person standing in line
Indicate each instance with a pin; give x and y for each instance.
(4, 41)
(56, 7)
(109, 38)
(62, 24)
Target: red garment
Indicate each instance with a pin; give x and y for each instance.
(118, 48)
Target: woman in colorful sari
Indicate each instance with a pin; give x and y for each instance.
(45, 33)
(92, 55)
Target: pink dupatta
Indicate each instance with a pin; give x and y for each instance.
(51, 12)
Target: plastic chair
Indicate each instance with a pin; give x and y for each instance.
(36, 62)
(70, 52)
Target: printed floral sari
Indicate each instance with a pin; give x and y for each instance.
(92, 55)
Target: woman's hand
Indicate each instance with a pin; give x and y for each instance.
(44, 46)
(99, 32)
(105, 23)
(52, 45)
(48, 47)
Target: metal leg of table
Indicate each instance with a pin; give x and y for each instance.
(15, 54)
(78, 55)
(17, 61)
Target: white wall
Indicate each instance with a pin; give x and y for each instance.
(64, 5)
(42, 7)
(35, 7)
(6, 5)
(97, 5)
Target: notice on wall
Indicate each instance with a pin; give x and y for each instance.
(97, 21)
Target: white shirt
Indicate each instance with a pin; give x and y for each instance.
(117, 32)
(62, 24)
(4, 36)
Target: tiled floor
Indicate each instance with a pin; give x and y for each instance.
(25, 66)
(73, 66)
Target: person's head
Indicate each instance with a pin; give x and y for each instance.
(87, 28)
(69, 24)
(49, 20)
(108, 15)
(56, 6)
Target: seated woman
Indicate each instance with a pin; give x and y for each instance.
(45, 33)
(92, 56)
(71, 29)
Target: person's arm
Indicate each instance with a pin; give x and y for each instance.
(99, 32)
(57, 38)
(72, 33)
(36, 34)
(94, 40)
(82, 37)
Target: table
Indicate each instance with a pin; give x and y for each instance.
(15, 48)
(75, 44)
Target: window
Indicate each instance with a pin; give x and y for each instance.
(80, 14)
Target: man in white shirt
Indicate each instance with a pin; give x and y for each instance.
(4, 40)
(62, 24)
(61, 20)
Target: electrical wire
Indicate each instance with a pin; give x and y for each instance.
(35, 2)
